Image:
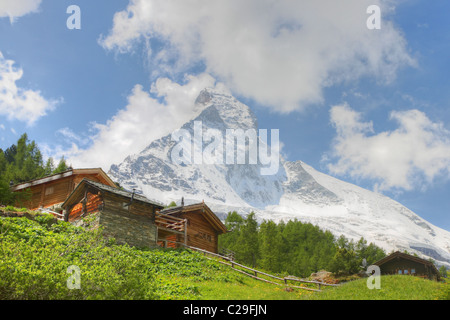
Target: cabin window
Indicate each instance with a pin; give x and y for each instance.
(413, 271)
(399, 271)
(204, 236)
(406, 271)
(49, 190)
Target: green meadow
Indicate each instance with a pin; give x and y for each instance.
(37, 253)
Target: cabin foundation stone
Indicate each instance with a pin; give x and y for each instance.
(133, 231)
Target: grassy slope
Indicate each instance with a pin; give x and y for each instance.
(35, 254)
(396, 287)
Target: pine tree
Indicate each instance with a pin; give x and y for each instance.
(22, 162)
(443, 271)
(49, 166)
(3, 163)
(62, 166)
(10, 153)
(270, 244)
(172, 204)
(248, 240)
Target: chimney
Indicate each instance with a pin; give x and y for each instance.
(131, 200)
(182, 201)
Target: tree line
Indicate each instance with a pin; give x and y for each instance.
(22, 162)
(294, 247)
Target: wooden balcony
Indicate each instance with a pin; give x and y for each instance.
(171, 224)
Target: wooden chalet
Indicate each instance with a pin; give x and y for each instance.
(402, 263)
(128, 217)
(203, 227)
(50, 191)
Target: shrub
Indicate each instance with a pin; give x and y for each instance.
(36, 257)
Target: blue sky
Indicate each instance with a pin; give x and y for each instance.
(368, 106)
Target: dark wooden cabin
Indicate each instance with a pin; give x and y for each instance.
(402, 263)
(51, 191)
(126, 216)
(203, 227)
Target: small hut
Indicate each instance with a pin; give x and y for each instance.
(402, 263)
(203, 227)
(126, 216)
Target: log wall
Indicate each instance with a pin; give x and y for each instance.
(54, 192)
(200, 233)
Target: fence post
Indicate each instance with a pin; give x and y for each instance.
(185, 232)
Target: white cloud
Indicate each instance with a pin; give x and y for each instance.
(409, 157)
(14, 9)
(149, 115)
(280, 53)
(70, 136)
(18, 103)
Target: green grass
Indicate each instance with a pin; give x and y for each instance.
(247, 289)
(395, 287)
(35, 253)
(14, 209)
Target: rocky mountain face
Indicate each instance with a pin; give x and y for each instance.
(210, 171)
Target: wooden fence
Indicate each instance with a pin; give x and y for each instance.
(256, 274)
(57, 215)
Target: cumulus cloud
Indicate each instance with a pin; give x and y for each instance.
(409, 157)
(149, 115)
(280, 53)
(18, 103)
(14, 9)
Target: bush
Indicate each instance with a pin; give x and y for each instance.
(36, 256)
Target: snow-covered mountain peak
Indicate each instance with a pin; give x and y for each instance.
(233, 114)
(296, 191)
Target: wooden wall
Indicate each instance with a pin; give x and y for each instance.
(94, 203)
(393, 266)
(200, 233)
(54, 192)
(171, 242)
(49, 194)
